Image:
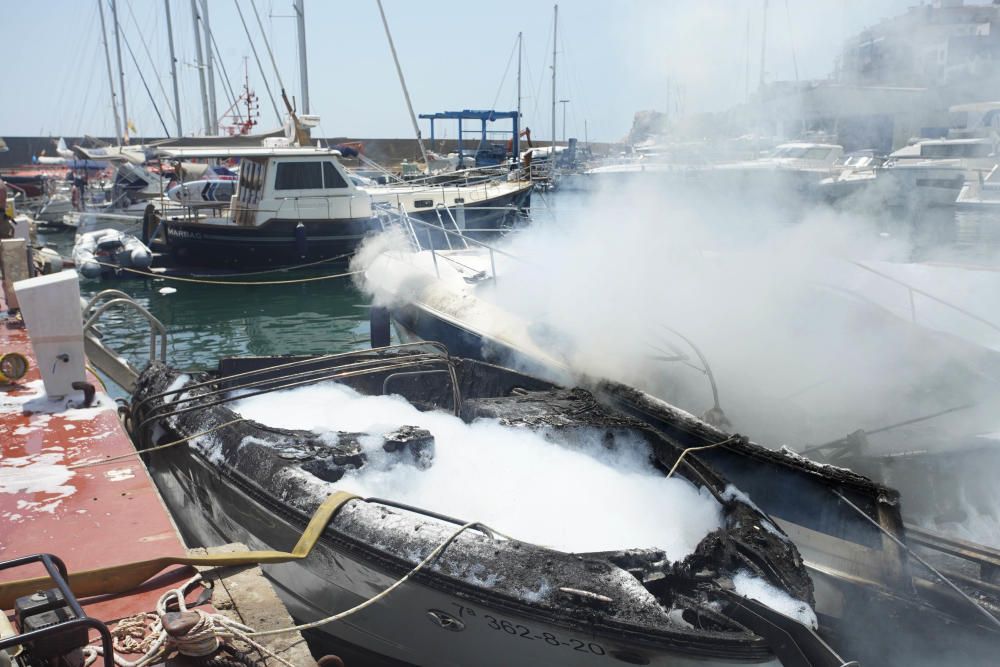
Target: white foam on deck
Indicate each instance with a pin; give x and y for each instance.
(42, 473)
(757, 589)
(578, 497)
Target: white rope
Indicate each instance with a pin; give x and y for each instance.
(133, 635)
(370, 601)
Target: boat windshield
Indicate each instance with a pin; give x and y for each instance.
(802, 152)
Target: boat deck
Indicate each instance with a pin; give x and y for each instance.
(53, 499)
(90, 517)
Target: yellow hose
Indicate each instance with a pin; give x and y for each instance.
(118, 579)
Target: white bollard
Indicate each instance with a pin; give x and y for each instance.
(50, 306)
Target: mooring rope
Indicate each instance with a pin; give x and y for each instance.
(204, 281)
(381, 595)
(89, 464)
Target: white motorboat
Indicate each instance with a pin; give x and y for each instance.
(870, 181)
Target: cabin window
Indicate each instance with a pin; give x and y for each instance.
(298, 176)
(955, 150)
(459, 200)
(332, 177)
(423, 203)
(817, 153)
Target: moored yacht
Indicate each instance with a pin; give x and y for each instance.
(297, 205)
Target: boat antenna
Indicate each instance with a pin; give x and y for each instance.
(111, 76)
(402, 82)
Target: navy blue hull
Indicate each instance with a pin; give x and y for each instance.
(274, 244)
(486, 217)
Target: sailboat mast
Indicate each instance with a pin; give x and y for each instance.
(519, 39)
(209, 69)
(111, 77)
(300, 14)
(173, 68)
(121, 70)
(555, 25)
(402, 82)
(207, 123)
(763, 45)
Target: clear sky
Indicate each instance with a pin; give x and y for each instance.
(615, 57)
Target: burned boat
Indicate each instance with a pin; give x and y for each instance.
(875, 600)
(487, 599)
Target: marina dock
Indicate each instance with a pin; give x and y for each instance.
(71, 485)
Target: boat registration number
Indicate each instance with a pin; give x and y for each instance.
(518, 630)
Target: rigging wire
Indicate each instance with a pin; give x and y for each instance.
(791, 39)
(267, 44)
(68, 74)
(93, 69)
(503, 80)
(256, 57)
(227, 84)
(145, 85)
(541, 76)
(152, 64)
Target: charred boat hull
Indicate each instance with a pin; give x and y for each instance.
(542, 607)
(872, 601)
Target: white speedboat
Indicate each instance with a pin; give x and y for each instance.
(870, 181)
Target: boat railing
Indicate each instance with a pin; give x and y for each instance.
(913, 292)
(472, 175)
(390, 218)
(104, 301)
(419, 358)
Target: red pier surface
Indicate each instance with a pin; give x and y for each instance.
(91, 517)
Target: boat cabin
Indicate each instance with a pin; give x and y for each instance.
(806, 155)
(288, 184)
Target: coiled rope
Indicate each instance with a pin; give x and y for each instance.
(145, 633)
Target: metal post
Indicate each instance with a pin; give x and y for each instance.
(111, 76)
(121, 71)
(207, 126)
(402, 82)
(173, 68)
(209, 70)
(564, 103)
(300, 13)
